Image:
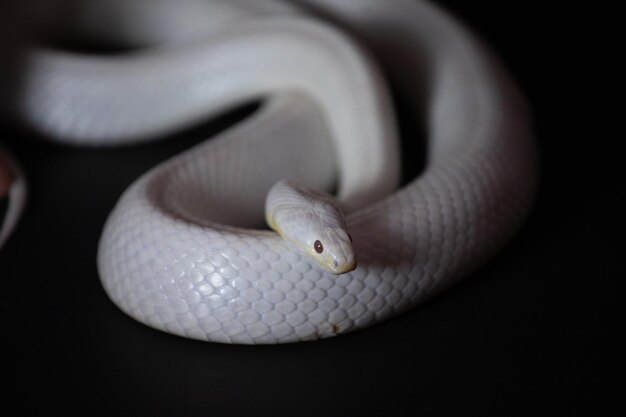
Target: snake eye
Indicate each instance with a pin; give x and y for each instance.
(319, 248)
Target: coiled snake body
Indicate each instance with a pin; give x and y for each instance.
(184, 250)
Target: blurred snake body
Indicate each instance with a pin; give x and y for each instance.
(185, 251)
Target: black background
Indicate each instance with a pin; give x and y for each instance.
(534, 332)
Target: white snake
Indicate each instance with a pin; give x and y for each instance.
(178, 252)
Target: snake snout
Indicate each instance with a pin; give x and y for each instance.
(342, 263)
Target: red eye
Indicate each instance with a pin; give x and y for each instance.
(319, 248)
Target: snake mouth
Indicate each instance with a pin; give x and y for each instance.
(343, 268)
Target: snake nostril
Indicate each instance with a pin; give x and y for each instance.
(335, 262)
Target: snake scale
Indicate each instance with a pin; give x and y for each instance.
(185, 249)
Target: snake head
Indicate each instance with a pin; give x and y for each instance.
(332, 249)
(312, 222)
